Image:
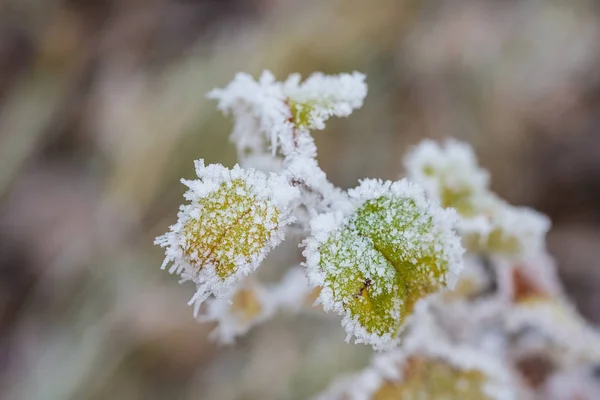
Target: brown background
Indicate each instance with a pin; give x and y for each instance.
(102, 110)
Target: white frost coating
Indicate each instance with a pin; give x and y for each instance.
(318, 193)
(527, 226)
(259, 110)
(452, 165)
(430, 231)
(276, 195)
(262, 111)
(516, 233)
(424, 341)
(327, 95)
(321, 227)
(478, 226)
(281, 115)
(450, 175)
(443, 221)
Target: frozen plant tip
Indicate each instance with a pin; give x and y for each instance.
(395, 249)
(270, 111)
(234, 217)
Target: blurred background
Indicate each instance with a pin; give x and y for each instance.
(102, 111)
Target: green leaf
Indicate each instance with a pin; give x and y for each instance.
(395, 249)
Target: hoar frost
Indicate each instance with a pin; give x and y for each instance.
(450, 175)
(393, 250)
(234, 217)
(427, 367)
(270, 111)
(383, 255)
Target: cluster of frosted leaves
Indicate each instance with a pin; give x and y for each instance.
(451, 176)
(426, 372)
(434, 379)
(270, 111)
(251, 303)
(374, 265)
(233, 219)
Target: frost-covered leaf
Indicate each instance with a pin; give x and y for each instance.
(234, 217)
(321, 96)
(511, 231)
(373, 266)
(434, 379)
(450, 175)
(270, 111)
(428, 371)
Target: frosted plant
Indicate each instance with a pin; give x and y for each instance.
(428, 367)
(388, 257)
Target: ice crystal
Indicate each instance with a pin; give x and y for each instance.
(393, 250)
